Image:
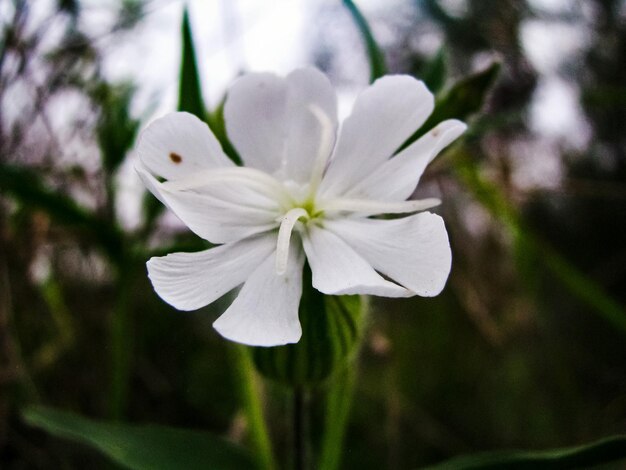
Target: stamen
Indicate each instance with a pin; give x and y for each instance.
(323, 151)
(261, 181)
(378, 207)
(284, 236)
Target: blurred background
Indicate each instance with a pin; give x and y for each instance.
(525, 348)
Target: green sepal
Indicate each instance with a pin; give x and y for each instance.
(331, 329)
(463, 99)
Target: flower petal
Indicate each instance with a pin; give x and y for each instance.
(224, 213)
(396, 179)
(189, 281)
(254, 113)
(265, 313)
(270, 120)
(384, 116)
(337, 269)
(310, 137)
(413, 251)
(178, 145)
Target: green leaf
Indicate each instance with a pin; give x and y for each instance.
(143, 447)
(331, 328)
(606, 450)
(374, 53)
(463, 99)
(189, 88)
(27, 187)
(116, 129)
(434, 71)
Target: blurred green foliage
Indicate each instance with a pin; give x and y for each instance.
(512, 355)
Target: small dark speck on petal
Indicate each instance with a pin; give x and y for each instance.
(435, 132)
(175, 158)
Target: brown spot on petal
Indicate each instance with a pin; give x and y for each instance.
(435, 132)
(175, 158)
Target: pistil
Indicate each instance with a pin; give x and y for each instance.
(284, 236)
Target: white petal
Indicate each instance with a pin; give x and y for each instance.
(265, 313)
(270, 120)
(384, 116)
(396, 179)
(413, 251)
(224, 213)
(255, 119)
(310, 136)
(189, 281)
(337, 269)
(179, 144)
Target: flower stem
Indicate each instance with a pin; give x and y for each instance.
(300, 425)
(250, 397)
(338, 405)
(121, 343)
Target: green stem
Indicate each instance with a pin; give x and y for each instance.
(121, 343)
(250, 397)
(62, 318)
(339, 401)
(300, 425)
(338, 405)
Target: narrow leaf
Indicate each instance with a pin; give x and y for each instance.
(189, 90)
(606, 450)
(374, 53)
(143, 447)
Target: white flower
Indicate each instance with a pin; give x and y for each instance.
(306, 190)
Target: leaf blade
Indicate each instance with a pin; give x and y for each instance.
(603, 451)
(141, 447)
(189, 87)
(378, 68)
